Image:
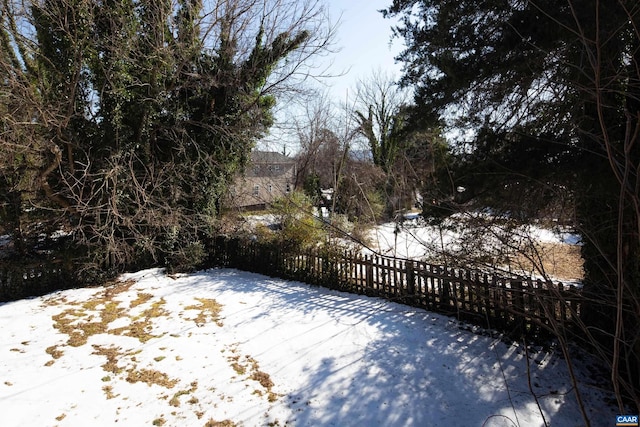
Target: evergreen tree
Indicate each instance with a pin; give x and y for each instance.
(135, 116)
(552, 92)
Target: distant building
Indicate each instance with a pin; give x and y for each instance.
(268, 176)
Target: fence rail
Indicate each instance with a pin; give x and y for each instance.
(509, 304)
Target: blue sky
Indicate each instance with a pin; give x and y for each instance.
(363, 46)
(364, 41)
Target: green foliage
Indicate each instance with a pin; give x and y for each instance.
(299, 228)
(552, 93)
(312, 188)
(128, 123)
(186, 257)
(386, 143)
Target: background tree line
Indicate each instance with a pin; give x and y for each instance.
(365, 150)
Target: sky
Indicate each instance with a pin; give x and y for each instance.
(364, 40)
(225, 345)
(363, 45)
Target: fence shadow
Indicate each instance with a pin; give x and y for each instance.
(413, 367)
(515, 305)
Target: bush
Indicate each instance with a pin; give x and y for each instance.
(299, 228)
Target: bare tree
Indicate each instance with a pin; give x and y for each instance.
(378, 112)
(312, 130)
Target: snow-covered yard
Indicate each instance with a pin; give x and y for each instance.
(462, 238)
(243, 349)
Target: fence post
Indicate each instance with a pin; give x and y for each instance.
(369, 273)
(445, 295)
(434, 294)
(462, 303)
(487, 301)
(519, 316)
(411, 279)
(562, 304)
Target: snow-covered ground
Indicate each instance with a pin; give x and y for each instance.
(468, 239)
(241, 348)
(416, 240)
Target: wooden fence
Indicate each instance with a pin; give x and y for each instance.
(25, 278)
(509, 304)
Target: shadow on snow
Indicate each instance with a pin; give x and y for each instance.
(389, 364)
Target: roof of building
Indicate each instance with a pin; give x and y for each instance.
(269, 157)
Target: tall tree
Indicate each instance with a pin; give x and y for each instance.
(132, 117)
(379, 114)
(404, 152)
(552, 91)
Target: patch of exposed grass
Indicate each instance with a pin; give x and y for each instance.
(61, 417)
(159, 422)
(234, 360)
(225, 423)
(111, 312)
(559, 260)
(55, 353)
(263, 378)
(150, 377)
(78, 331)
(69, 321)
(141, 299)
(156, 310)
(209, 309)
(142, 325)
(139, 330)
(240, 369)
(175, 400)
(117, 287)
(247, 363)
(108, 391)
(54, 301)
(112, 354)
(92, 305)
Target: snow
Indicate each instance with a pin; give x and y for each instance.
(414, 239)
(334, 359)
